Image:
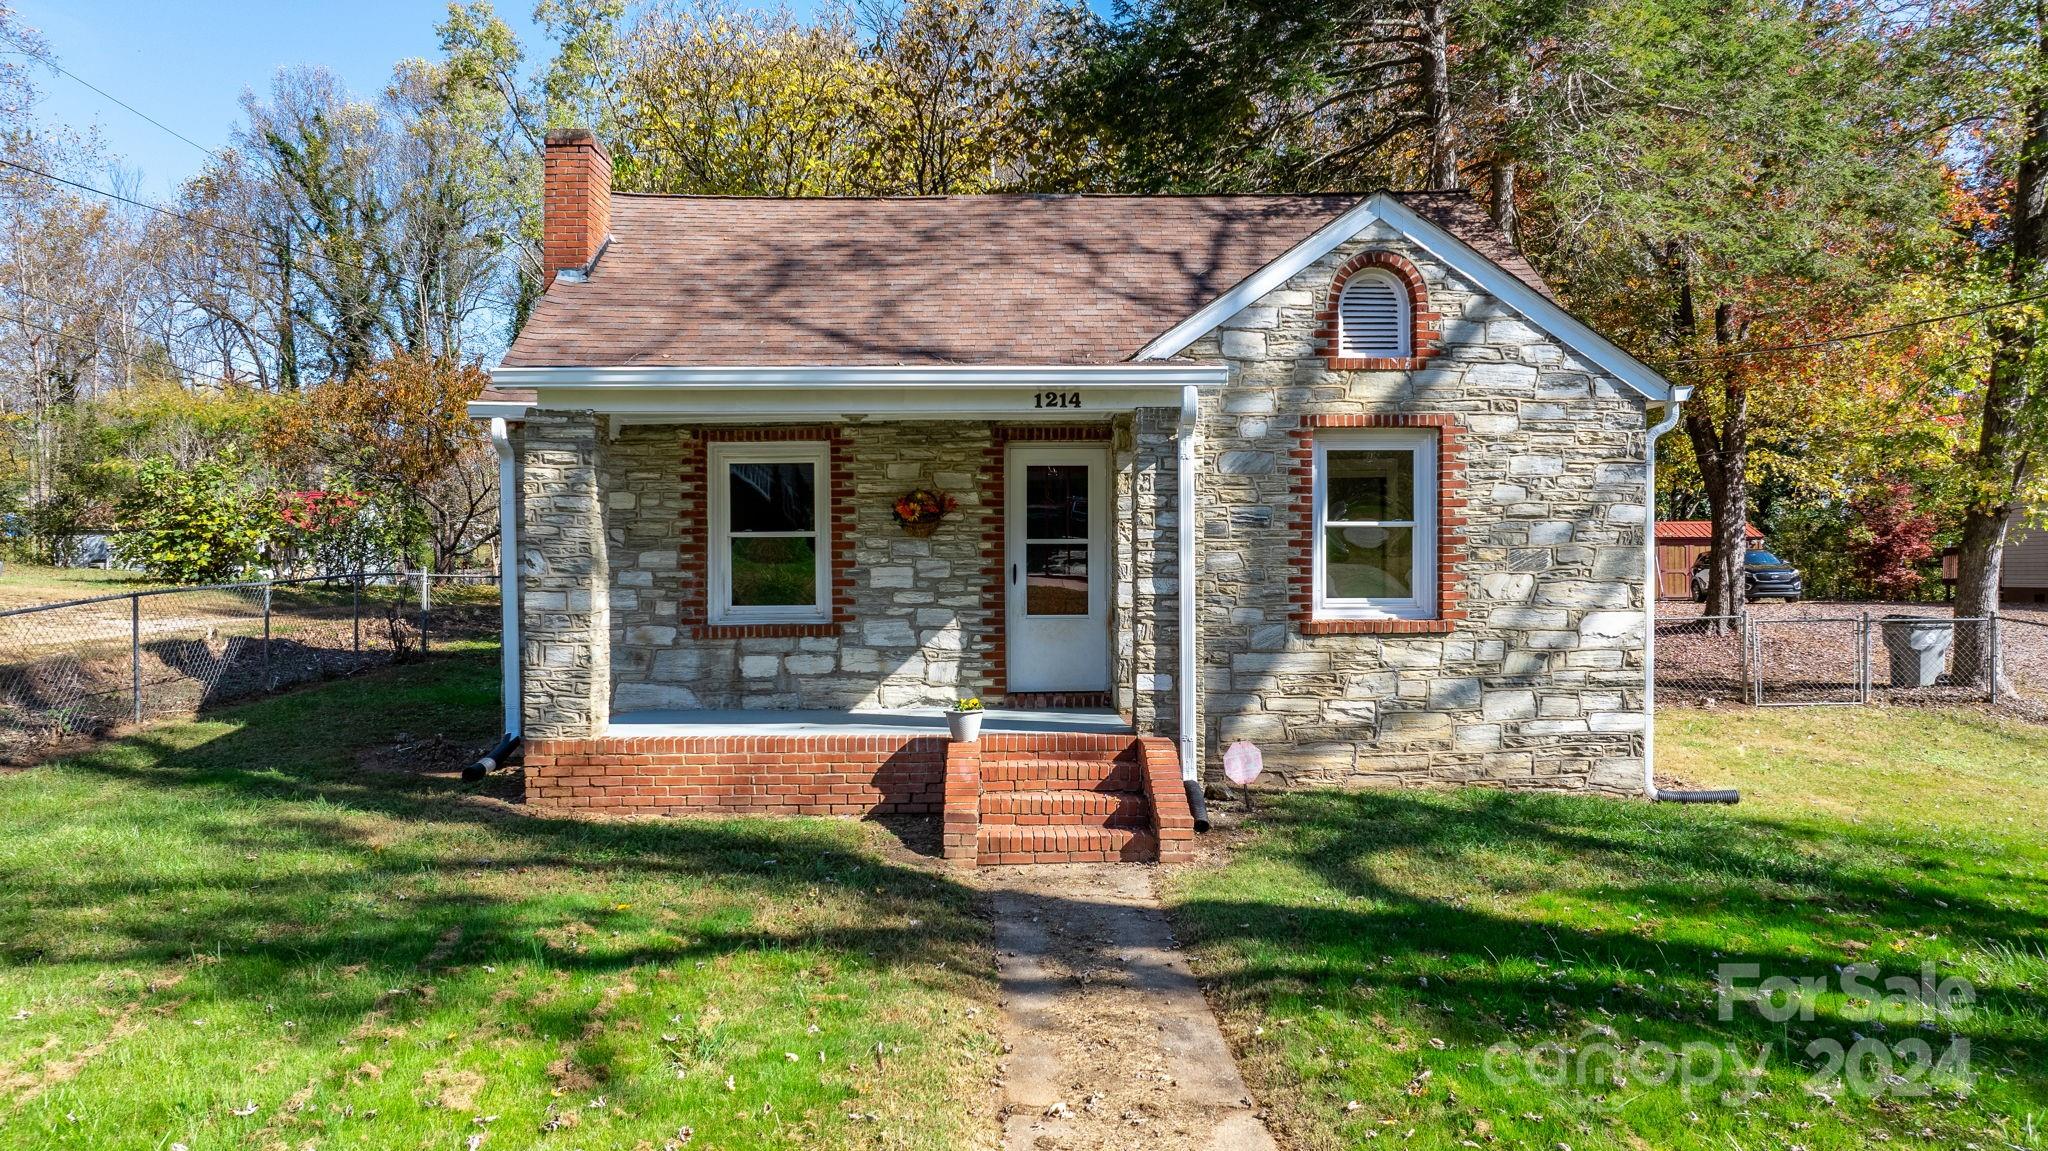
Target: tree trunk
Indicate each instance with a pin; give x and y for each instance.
(1436, 95)
(1501, 191)
(2004, 463)
(1720, 445)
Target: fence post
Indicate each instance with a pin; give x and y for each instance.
(355, 610)
(1997, 652)
(135, 652)
(1863, 665)
(266, 635)
(424, 599)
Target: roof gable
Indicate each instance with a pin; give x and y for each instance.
(1527, 295)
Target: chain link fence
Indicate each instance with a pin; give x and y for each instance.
(1909, 654)
(75, 670)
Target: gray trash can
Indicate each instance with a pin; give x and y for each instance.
(1918, 647)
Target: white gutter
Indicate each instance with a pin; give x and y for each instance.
(1650, 597)
(1190, 412)
(863, 376)
(508, 573)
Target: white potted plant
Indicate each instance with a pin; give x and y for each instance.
(964, 719)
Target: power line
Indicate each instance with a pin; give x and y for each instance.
(97, 345)
(160, 210)
(59, 68)
(1742, 353)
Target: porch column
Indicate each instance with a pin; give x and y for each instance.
(1166, 582)
(564, 609)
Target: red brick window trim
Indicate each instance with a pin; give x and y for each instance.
(694, 532)
(1425, 338)
(1450, 526)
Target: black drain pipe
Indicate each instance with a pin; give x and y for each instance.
(1196, 806)
(492, 759)
(1729, 795)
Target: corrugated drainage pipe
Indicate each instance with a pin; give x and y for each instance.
(492, 759)
(1728, 796)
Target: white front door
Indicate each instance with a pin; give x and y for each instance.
(1057, 512)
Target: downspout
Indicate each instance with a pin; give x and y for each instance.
(1650, 590)
(1184, 474)
(508, 600)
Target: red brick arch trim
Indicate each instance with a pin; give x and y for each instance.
(693, 537)
(1450, 526)
(1425, 337)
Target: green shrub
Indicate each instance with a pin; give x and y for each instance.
(203, 524)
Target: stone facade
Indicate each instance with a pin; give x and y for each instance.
(1531, 677)
(1539, 683)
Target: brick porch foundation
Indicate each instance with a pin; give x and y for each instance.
(1012, 797)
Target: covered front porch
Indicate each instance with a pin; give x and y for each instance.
(723, 607)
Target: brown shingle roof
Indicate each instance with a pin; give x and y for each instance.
(694, 280)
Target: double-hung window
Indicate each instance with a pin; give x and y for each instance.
(1375, 524)
(770, 536)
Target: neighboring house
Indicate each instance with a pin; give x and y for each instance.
(2022, 569)
(1409, 486)
(1680, 544)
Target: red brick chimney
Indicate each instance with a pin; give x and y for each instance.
(576, 201)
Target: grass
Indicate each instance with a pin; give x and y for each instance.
(24, 584)
(1367, 950)
(263, 929)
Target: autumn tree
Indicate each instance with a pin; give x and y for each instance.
(1708, 197)
(400, 429)
(1999, 53)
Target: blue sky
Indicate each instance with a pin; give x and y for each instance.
(187, 62)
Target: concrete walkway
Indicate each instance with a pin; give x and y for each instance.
(1110, 1042)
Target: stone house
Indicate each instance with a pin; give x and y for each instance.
(1332, 474)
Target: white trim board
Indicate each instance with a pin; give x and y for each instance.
(1458, 255)
(843, 378)
(920, 391)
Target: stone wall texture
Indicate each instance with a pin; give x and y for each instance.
(918, 628)
(1539, 685)
(565, 576)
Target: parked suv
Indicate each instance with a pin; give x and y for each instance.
(1764, 576)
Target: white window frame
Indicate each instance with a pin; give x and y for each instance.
(1421, 444)
(718, 558)
(1404, 315)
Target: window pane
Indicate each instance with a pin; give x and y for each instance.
(1056, 501)
(1055, 579)
(1368, 563)
(774, 571)
(770, 497)
(1370, 485)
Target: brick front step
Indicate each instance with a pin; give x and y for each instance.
(1065, 808)
(1000, 845)
(1060, 774)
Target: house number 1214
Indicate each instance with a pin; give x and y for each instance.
(1057, 400)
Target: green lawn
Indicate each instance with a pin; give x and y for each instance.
(1448, 969)
(266, 930)
(24, 584)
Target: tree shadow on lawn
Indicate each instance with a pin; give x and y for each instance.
(306, 886)
(1461, 893)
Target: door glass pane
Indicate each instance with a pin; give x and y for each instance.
(1056, 501)
(1370, 485)
(1055, 579)
(1368, 563)
(771, 497)
(774, 571)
